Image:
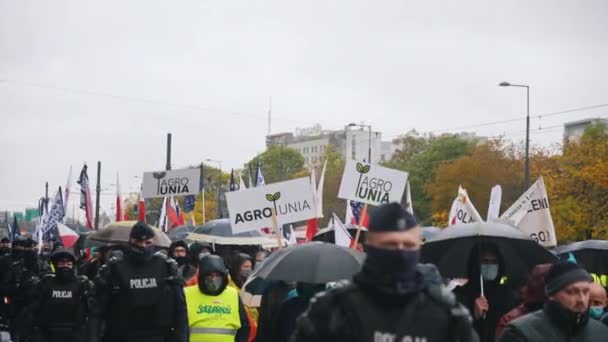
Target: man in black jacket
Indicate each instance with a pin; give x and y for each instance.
(565, 316)
(393, 298)
(141, 295)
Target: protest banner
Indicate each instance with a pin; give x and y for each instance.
(372, 184)
(463, 211)
(252, 209)
(531, 214)
(171, 183)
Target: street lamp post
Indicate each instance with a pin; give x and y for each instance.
(527, 158)
(369, 146)
(219, 184)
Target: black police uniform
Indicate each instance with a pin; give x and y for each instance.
(142, 301)
(350, 313)
(392, 298)
(63, 310)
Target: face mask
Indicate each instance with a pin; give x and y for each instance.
(489, 271)
(596, 312)
(141, 253)
(400, 264)
(242, 277)
(64, 273)
(214, 285)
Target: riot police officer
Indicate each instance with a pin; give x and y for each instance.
(63, 308)
(21, 278)
(141, 294)
(392, 298)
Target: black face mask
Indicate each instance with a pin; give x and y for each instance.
(64, 273)
(140, 254)
(16, 254)
(242, 277)
(30, 258)
(394, 269)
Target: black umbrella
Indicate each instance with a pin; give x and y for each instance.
(450, 249)
(180, 233)
(313, 262)
(590, 254)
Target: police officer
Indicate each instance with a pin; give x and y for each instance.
(215, 311)
(63, 308)
(178, 250)
(141, 294)
(22, 277)
(5, 247)
(392, 298)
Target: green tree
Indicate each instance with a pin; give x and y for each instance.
(278, 163)
(420, 156)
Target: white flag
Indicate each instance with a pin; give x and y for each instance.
(341, 235)
(408, 198)
(292, 236)
(495, 201)
(532, 215)
(463, 211)
(319, 191)
(241, 182)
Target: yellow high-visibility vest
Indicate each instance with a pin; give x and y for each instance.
(212, 318)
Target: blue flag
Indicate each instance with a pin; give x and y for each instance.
(189, 202)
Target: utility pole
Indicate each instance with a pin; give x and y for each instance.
(168, 166)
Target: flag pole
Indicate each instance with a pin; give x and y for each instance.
(359, 225)
(275, 226)
(98, 190)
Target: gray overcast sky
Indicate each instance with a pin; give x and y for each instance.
(106, 80)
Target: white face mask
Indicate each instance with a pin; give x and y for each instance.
(489, 271)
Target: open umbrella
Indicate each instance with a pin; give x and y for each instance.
(312, 262)
(429, 232)
(180, 232)
(118, 233)
(219, 232)
(450, 249)
(590, 254)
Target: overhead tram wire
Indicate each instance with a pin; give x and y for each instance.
(498, 122)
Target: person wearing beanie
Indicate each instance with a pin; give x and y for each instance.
(178, 250)
(215, 311)
(393, 297)
(565, 315)
(63, 307)
(141, 294)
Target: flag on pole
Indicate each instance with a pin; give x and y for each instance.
(68, 187)
(463, 210)
(319, 191)
(251, 181)
(312, 225)
(409, 206)
(241, 182)
(531, 214)
(292, 237)
(15, 231)
(54, 215)
(341, 235)
(141, 208)
(162, 217)
(232, 181)
(172, 214)
(259, 177)
(118, 200)
(494, 205)
(355, 213)
(68, 237)
(85, 196)
(189, 203)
